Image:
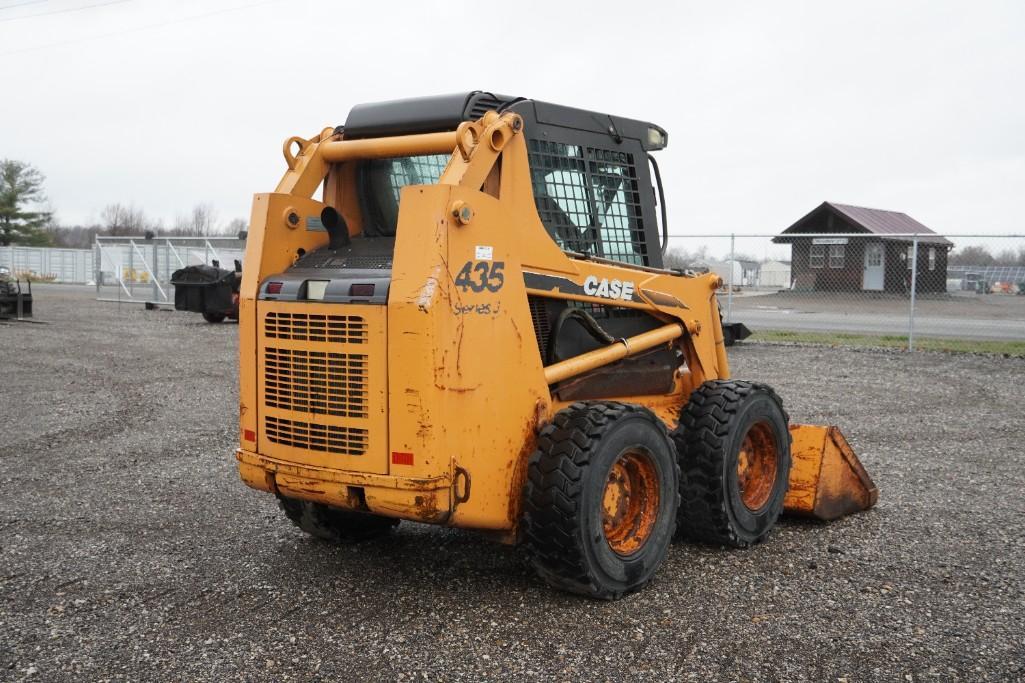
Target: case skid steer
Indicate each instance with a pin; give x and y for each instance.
(470, 325)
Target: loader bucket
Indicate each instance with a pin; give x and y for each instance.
(827, 481)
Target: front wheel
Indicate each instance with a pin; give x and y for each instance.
(214, 317)
(734, 447)
(600, 499)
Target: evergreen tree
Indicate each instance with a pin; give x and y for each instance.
(21, 186)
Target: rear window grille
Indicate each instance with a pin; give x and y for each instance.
(316, 437)
(346, 329)
(316, 382)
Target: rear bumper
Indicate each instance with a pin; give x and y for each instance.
(421, 500)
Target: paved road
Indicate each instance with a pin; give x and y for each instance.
(876, 323)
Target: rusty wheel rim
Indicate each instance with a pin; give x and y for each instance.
(630, 502)
(756, 466)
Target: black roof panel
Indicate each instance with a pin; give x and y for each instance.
(446, 112)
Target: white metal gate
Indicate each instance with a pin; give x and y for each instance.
(134, 269)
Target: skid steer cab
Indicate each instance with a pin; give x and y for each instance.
(470, 324)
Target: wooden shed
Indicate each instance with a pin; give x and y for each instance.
(838, 247)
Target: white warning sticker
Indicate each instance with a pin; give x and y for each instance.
(484, 253)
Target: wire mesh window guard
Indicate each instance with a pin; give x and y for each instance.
(588, 199)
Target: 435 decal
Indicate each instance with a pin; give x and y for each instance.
(478, 276)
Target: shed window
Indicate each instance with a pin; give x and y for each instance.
(911, 256)
(932, 258)
(836, 255)
(817, 257)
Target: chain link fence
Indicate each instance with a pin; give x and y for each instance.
(904, 290)
(134, 269)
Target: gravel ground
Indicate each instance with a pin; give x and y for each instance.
(130, 550)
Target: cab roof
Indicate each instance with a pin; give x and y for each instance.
(445, 112)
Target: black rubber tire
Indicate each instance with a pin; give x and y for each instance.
(335, 525)
(712, 428)
(214, 317)
(566, 477)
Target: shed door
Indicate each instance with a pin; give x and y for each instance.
(874, 267)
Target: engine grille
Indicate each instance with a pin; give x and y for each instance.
(316, 382)
(318, 437)
(322, 383)
(345, 329)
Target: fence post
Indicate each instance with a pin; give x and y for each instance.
(733, 267)
(914, 289)
(155, 270)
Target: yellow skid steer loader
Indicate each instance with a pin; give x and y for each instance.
(470, 324)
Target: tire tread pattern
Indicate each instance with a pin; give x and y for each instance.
(553, 506)
(701, 440)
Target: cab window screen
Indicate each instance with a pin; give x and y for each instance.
(618, 205)
(587, 199)
(381, 181)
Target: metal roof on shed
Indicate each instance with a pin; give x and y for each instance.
(893, 225)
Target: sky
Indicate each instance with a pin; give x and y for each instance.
(771, 108)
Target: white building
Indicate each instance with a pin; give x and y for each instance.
(775, 275)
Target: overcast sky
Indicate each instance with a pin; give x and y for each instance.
(771, 107)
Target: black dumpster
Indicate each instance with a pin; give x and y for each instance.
(209, 290)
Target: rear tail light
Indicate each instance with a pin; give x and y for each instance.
(274, 287)
(398, 458)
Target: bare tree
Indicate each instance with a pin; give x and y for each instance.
(683, 259)
(74, 236)
(1010, 257)
(200, 222)
(237, 226)
(972, 256)
(118, 219)
(204, 219)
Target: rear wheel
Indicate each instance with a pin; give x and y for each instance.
(214, 317)
(600, 499)
(333, 524)
(734, 448)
